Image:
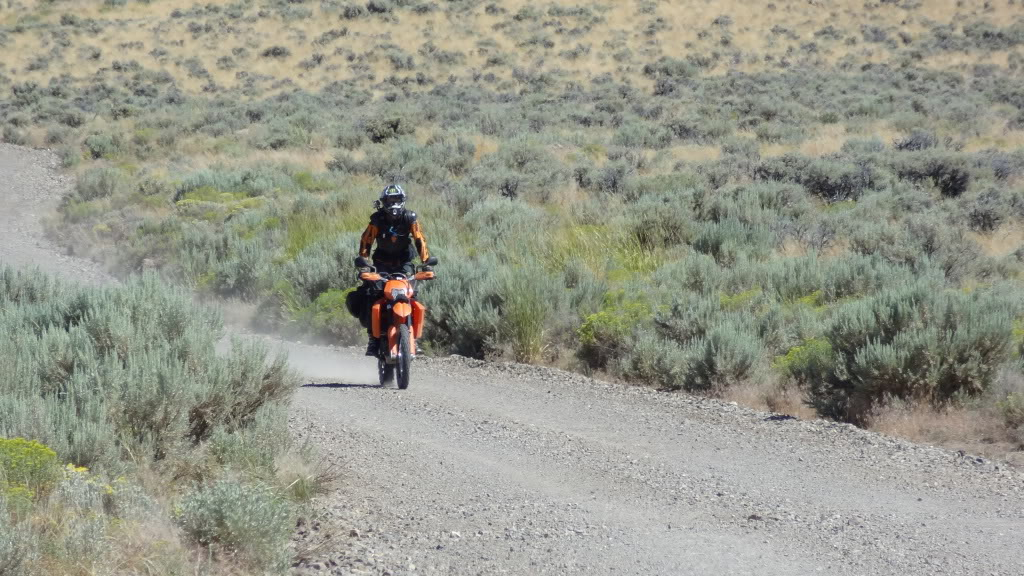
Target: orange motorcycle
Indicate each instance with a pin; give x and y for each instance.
(396, 318)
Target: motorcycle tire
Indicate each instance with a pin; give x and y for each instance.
(404, 357)
(385, 371)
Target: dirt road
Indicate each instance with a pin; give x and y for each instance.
(509, 469)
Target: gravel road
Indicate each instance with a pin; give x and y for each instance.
(510, 469)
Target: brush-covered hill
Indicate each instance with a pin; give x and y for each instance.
(809, 206)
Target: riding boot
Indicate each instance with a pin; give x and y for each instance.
(373, 347)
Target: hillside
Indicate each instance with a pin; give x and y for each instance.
(477, 468)
(812, 207)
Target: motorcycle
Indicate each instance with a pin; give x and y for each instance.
(396, 318)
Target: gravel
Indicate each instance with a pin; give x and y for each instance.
(32, 185)
(500, 468)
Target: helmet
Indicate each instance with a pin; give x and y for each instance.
(392, 199)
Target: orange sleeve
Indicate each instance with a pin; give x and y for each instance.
(366, 242)
(420, 240)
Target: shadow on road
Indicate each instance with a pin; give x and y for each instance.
(340, 385)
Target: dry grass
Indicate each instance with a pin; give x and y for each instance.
(686, 28)
(695, 153)
(770, 395)
(311, 160)
(1002, 242)
(975, 431)
(979, 431)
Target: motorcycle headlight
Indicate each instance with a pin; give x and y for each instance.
(396, 292)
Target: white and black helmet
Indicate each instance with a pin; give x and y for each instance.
(392, 199)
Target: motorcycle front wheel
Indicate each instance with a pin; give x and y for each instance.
(404, 357)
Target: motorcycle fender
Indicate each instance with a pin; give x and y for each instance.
(375, 323)
(418, 312)
(401, 311)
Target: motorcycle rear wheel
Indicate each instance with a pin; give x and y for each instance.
(385, 371)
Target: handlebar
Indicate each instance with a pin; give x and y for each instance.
(371, 276)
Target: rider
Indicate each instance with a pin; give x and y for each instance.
(399, 239)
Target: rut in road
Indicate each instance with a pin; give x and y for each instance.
(493, 468)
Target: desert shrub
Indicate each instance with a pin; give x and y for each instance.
(606, 334)
(918, 140)
(101, 182)
(254, 449)
(343, 162)
(276, 52)
(988, 210)
(57, 134)
(922, 241)
(15, 545)
(614, 178)
(808, 363)
(529, 299)
(831, 179)
(730, 238)
(668, 73)
(913, 342)
(28, 465)
(947, 171)
(463, 304)
(242, 270)
(103, 145)
(13, 135)
(251, 181)
(522, 167)
(129, 369)
(323, 266)
(694, 272)
(726, 355)
(387, 126)
(642, 135)
(379, 6)
(653, 361)
(661, 222)
(859, 275)
(245, 518)
(443, 57)
(699, 128)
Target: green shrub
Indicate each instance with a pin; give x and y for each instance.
(1012, 408)
(661, 222)
(12, 135)
(833, 179)
(726, 355)
(103, 145)
(527, 308)
(385, 126)
(15, 546)
(463, 305)
(325, 265)
(947, 171)
(604, 335)
(126, 370)
(253, 449)
(101, 182)
(28, 464)
(726, 241)
(914, 342)
(654, 361)
(808, 363)
(234, 517)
